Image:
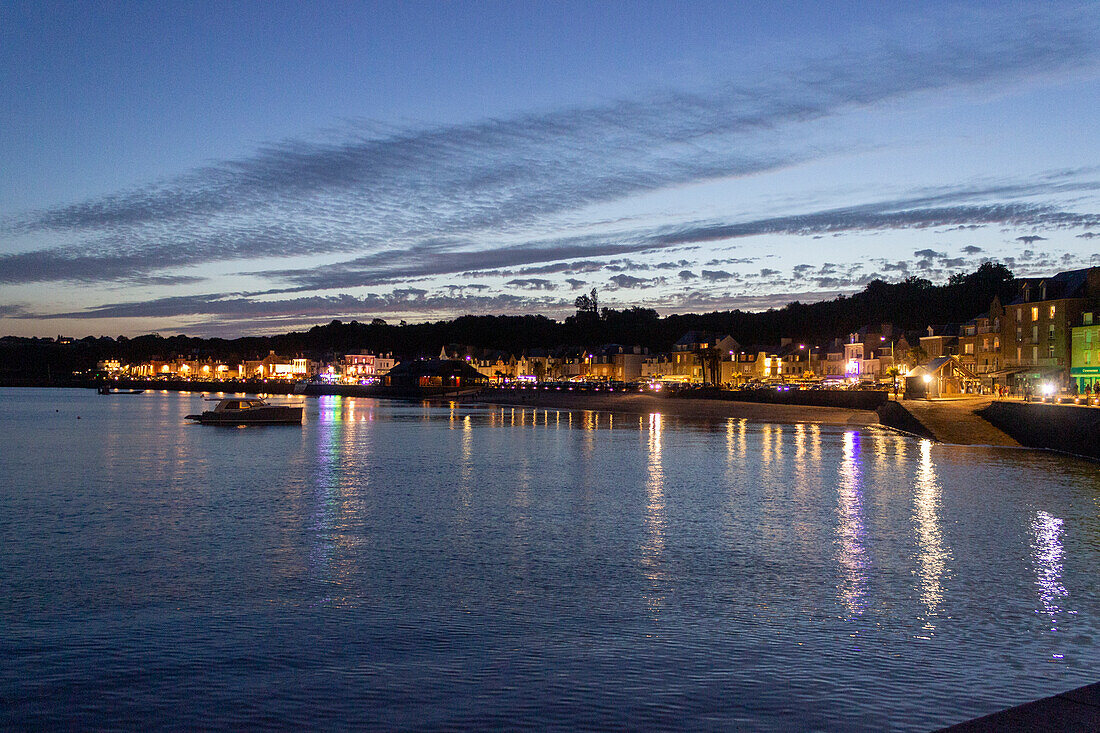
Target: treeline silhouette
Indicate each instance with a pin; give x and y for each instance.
(912, 303)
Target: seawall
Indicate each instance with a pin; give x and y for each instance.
(701, 409)
(893, 415)
(1067, 428)
(956, 420)
(843, 399)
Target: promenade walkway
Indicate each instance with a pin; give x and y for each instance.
(952, 420)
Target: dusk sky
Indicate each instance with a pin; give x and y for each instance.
(226, 169)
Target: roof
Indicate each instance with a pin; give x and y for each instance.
(942, 329)
(936, 365)
(435, 368)
(1068, 284)
(700, 337)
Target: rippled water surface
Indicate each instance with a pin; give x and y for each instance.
(393, 565)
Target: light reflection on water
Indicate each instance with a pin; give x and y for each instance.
(654, 515)
(1048, 556)
(932, 554)
(395, 565)
(852, 556)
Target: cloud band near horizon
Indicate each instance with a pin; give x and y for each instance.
(373, 191)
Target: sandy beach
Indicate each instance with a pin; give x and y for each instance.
(693, 408)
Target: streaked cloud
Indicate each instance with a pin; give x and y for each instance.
(533, 283)
(373, 190)
(629, 281)
(399, 265)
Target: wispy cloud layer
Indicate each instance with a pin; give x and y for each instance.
(385, 194)
(416, 262)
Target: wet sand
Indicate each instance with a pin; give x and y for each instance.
(690, 408)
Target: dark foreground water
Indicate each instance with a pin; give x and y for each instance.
(389, 565)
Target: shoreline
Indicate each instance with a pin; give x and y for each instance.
(623, 403)
(703, 409)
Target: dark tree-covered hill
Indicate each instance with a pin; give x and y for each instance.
(910, 304)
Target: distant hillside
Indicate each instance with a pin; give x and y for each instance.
(911, 304)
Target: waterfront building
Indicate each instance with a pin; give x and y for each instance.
(1036, 333)
(697, 355)
(798, 360)
(835, 365)
(655, 366)
(109, 367)
(617, 363)
(980, 343)
(384, 363)
(493, 365)
(767, 366)
(357, 367)
(866, 355)
(151, 369)
(1085, 352)
(274, 366)
(940, 340)
(739, 368)
(905, 347)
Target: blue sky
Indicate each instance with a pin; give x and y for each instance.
(223, 169)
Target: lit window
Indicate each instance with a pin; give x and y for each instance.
(1035, 313)
(1052, 311)
(996, 342)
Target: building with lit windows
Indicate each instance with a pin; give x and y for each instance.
(1037, 326)
(980, 341)
(1085, 352)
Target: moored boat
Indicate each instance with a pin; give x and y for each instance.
(252, 411)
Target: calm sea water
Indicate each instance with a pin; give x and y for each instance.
(393, 565)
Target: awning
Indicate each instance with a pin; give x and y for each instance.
(1006, 372)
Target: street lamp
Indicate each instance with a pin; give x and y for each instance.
(927, 385)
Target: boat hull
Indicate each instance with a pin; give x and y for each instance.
(257, 416)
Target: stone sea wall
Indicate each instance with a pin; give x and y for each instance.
(845, 399)
(1067, 428)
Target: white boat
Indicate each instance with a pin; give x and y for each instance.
(252, 411)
